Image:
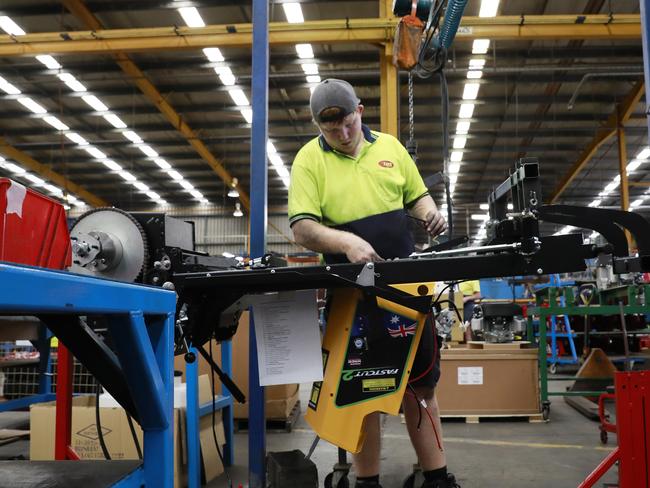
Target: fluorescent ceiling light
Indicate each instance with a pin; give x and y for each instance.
(34, 179)
(488, 8)
(70, 198)
(634, 164)
(282, 171)
(612, 186)
(13, 168)
(225, 75)
(32, 105)
(115, 121)
(162, 163)
(186, 184)
(79, 203)
(313, 79)
(637, 203)
(94, 152)
(8, 88)
(213, 54)
(293, 12)
(132, 136)
(459, 142)
(140, 186)
(481, 217)
(197, 194)
(10, 27)
(270, 148)
(247, 113)
(285, 182)
(596, 202)
(162, 202)
(74, 137)
(148, 150)
(95, 103)
(462, 128)
(153, 195)
(484, 206)
(175, 175)
(454, 168)
(310, 68)
(480, 46)
(476, 63)
(56, 123)
(456, 156)
(191, 16)
(127, 176)
(305, 51)
(239, 97)
(71, 81)
(470, 92)
(474, 75)
(275, 159)
(466, 110)
(48, 61)
(53, 189)
(453, 178)
(112, 165)
(644, 154)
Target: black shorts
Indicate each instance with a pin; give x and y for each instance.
(428, 352)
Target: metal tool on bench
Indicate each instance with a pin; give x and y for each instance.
(498, 322)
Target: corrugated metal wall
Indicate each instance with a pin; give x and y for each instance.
(216, 234)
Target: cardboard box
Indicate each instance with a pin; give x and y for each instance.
(489, 382)
(280, 399)
(204, 366)
(117, 435)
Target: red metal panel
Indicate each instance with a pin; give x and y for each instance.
(63, 435)
(633, 421)
(33, 228)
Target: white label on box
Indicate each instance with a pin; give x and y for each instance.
(470, 376)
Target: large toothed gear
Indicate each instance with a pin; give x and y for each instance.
(109, 243)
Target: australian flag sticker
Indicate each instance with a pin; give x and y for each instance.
(399, 326)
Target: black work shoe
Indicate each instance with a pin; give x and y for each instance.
(450, 482)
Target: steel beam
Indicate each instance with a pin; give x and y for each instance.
(369, 30)
(618, 118)
(78, 9)
(44, 171)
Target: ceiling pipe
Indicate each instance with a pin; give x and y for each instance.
(572, 100)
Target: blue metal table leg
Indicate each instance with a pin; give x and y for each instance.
(228, 414)
(193, 445)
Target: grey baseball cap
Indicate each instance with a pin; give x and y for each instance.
(332, 93)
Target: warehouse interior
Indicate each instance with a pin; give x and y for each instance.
(147, 150)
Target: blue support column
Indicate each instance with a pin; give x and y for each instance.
(645, 38)
(258, 221)
(192, 413)
(228, 414)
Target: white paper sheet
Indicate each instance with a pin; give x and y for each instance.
(288, 337)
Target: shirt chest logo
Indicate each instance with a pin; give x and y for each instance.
(385, 164)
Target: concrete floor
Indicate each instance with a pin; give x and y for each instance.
(492, 454)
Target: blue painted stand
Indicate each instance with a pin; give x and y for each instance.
(195, 412)
(141, 322)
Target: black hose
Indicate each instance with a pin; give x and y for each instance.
(98, 423)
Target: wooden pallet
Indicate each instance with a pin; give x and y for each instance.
(276, 424)
(532, 418)
(498, 345)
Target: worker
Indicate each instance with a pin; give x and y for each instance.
(349, 190)
(471, 291)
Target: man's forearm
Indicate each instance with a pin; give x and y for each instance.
(320, 238)
(422, 207)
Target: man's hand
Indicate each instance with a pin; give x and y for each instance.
(435, 223)
(358, 250)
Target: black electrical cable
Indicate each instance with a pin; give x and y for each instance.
(453, 306)
(444, 101)
(98, 423)
(214, 412)
(134, 435)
